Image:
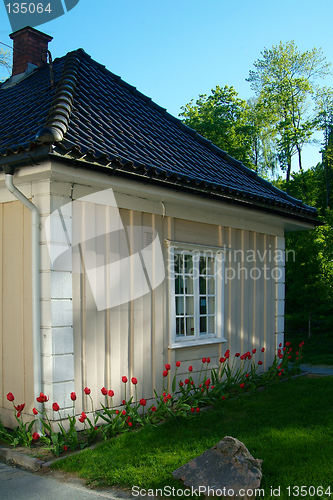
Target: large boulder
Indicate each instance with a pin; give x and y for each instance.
(228, 469)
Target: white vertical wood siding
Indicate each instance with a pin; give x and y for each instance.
(132, 339)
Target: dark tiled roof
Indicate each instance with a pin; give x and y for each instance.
(91, 113)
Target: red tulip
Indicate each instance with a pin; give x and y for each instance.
(35, 436)
(259, 362)
(204, 360)
(124, 379)
(208, 360)
(34, 411)
(237, 354)
(165, 373)
(254, 351)
(178, 364)
(111, 393)
(134, 380)
(10, 396)
(241, 385)
(104, 391)
(262, 349)
(186, 381)
(83, 417)
(56, 407)
(73, 396)
(167, 366)
(87, 391)
(143, 402)
(42, 398)
(197, 410)
(190, 368)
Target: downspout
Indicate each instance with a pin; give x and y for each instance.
(36, 318)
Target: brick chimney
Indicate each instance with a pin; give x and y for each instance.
(30, 46)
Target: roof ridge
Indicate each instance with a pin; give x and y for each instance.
(57, 121)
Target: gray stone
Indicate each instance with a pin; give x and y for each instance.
(228, 469)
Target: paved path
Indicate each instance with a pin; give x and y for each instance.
(318, 369)
(18, 483)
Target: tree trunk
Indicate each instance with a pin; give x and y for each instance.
(288, 172)
(299, 152)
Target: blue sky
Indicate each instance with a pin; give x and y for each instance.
(173, 51)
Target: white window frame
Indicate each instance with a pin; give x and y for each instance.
(173, 248)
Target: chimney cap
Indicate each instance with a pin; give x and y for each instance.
(47, 38)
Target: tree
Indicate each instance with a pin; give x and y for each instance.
(222, 118)
(5, 59)
(309, 276)
(263, 151)
(284, 81)
(324, 109)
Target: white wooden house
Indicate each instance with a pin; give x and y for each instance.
(143, 243)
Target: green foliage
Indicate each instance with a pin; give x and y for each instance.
(284, 81)
(222, 118)
(185, 399)
(309, 266)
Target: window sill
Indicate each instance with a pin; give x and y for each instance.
(194, 343)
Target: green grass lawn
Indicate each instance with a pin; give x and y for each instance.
(289, 426)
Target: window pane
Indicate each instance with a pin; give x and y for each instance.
(189, 306)
(179, 285)
(176, 262)
(180, 327)
(211, 305)
(203, 285)
(188, 264)
(189, 326)
(203, 328)
(203, 305)
(211, 286)
(189, 286)
(179, 306)
(211, 324)
(210, 266)
(202, 265)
